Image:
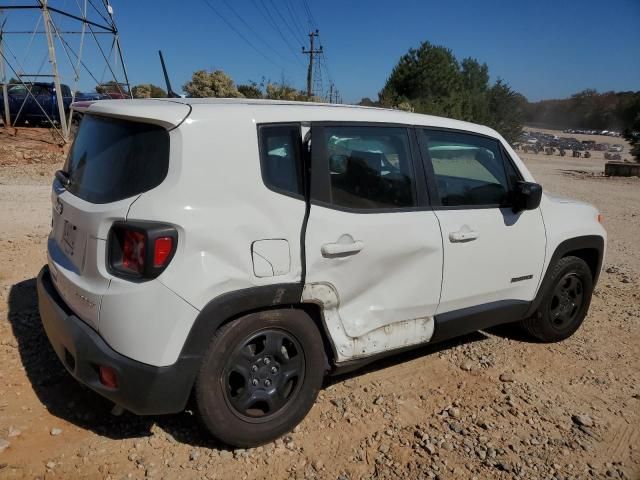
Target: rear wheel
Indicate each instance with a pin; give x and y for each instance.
(260, 376)
(565, 303)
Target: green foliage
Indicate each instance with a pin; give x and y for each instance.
(250, 90)
(283, 91)
(111, 87)
(587, 110)
(211, 84)
(505, 110)
(631, 116)
(427, 77)
(367, 102)
(475, 81)
(148, 90)
(430, 79)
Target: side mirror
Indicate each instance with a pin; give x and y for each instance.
(527, 196)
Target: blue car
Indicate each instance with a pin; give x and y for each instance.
(41, 105)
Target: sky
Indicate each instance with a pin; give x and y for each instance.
(543, 49)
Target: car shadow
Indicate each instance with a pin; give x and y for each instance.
(71, 401)
(512, 331)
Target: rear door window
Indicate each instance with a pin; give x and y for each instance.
(370, 167)
(113, 159)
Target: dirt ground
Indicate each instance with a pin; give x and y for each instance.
(490, 405)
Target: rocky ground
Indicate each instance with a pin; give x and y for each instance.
(491, 405)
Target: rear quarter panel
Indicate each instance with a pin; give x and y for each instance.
(215, 196)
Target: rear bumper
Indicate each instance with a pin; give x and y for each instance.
(142, 389)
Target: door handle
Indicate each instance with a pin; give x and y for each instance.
(463, 235)
(341, 249)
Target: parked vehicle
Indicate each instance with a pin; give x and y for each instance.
(41, 105)
(241, 250)
(616, 148)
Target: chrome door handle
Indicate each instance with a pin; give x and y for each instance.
(463, 235)
(341, 249)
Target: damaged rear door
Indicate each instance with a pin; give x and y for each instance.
(373, 245)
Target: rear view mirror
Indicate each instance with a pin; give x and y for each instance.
(527, 196)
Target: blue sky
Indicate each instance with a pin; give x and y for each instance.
(543, 49)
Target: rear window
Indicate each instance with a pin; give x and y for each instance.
(113, 159)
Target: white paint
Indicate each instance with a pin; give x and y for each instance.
(270, 257)
(387, 337)
(377, 276)
(499, 245)
(392, 274)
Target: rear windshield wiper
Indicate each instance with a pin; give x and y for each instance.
(63, 178)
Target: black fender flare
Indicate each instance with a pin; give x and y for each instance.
(591, 242)
(232, 304)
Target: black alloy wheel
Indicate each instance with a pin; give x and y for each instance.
(260, 376)
(263, 374)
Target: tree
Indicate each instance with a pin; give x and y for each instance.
(430, 79)
(148, 90)
(631, 133)
(284, 91)
(250, 90)
(427, 77)
(211, 84)
(506, 110)
(475, 81)
(111, 87)
(367, 102)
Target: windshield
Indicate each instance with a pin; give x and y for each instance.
(115, 159)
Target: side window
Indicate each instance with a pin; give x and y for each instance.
(470, 170)
(369, 167)
(280, 159)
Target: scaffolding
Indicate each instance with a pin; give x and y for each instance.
(75, 42)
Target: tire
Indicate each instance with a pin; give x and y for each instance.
(260, 376)
(565, 303)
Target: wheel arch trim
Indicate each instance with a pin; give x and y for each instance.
(575, 244)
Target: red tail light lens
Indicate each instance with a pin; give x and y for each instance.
(108, 377)
(162, 249)
(133, 251)
(140, 250)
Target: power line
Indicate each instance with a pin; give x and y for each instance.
(295, 19)
(286, 23)
(247, 41)
(259, 37)
(310, 18)
(274, 24)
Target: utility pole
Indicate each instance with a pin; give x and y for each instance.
(311, 52)
(54, 67)
(3, 78)
(331, 93)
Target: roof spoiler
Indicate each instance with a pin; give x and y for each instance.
(82, 106)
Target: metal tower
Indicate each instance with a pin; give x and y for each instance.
(48, 40)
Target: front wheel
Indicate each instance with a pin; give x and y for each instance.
(565, 303)
(260, 376)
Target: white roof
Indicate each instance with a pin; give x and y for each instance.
(172, 111)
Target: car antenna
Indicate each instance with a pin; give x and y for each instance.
(170, 92)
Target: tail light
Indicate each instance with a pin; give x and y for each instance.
(140, 250)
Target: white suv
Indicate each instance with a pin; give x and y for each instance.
(241, 250)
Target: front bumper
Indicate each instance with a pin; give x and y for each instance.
(142, 389)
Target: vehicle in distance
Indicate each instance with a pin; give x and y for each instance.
(37, 103)
(241, 250)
